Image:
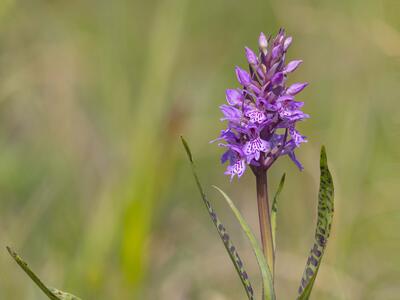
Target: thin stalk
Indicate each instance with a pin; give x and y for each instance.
(264, 215)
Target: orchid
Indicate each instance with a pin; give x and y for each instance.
(262, 117)
(262, 114)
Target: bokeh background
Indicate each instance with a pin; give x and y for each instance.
(96, 192)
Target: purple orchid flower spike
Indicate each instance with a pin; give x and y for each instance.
(262, 115)
(261, 119)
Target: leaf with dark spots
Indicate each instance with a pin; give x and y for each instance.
(322, 232)
(230, 248)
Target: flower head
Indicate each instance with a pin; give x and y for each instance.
(262, 114)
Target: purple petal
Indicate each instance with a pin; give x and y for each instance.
(277, 78)
(230, 155)
(272, 106)
(231, 113)
(276, 51)
(256, 116)
(255, 88)
(228, 136)
(272, 70)
(263, 42)
(233, 97)
(255, 146)
(294, 159)
(237, 168)
(266, 105)
(242, 76)
(296, 104)
(287, 43)
(225, 156)
(285, 98)
(281, 35)
(297, 137)
(251, 57)
(293, 65)
(296, 88)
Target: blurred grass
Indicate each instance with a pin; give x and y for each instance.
(96, 192)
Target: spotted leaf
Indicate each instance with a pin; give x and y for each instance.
(323, 229)
(230, 248)
(267, 284)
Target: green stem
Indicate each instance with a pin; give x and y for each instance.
(264, 215)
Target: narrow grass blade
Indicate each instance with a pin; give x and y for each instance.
(322, 232)
(51, 293)
(230, 248)
(268, 287)
(274, 209)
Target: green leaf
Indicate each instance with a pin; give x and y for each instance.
(274, 209)
(262, 262)
(323, 229)
(230, 248)
(51, 293)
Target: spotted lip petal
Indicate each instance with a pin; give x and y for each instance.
(237, 168)
(262, 105)
(256, 116)
(253, 149)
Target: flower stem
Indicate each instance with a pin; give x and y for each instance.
(264, 215)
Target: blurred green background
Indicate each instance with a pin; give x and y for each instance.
(96, 192)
